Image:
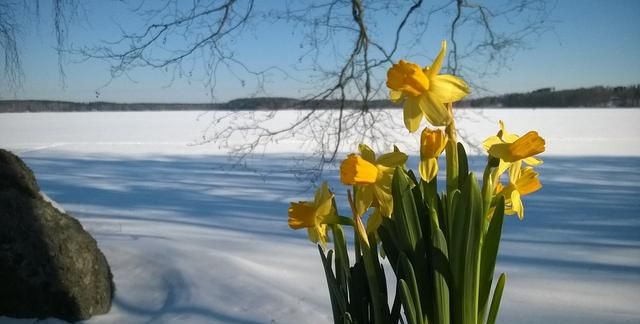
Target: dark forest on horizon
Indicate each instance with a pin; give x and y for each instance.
(593, 97)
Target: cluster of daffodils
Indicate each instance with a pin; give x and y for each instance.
(442, 247)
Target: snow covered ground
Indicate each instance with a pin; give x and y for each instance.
(190, 240)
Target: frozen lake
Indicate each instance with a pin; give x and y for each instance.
(190, 241)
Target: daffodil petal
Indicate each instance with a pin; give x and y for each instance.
(428, 169)
(412, 113)
(393, 159)
(318, 234)
(374, 221)
(364, 198)
(313, 234)
(323, 201)
(395, 96)
(324, 209)
(514, 171)
(367, 153)
(447, 88)
(435, 111)
(501, 151)
(361, 232)
(528, 182)
(506, 136)
(502, 167)
(435, 67)
(322, 194)
(385, 175)
(509, 138)
(532, 161)
(385, 200)
(516, 204)
(490, 141)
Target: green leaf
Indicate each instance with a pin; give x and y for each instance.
(404, 211)
(445, 221)
(409, 274)
(449, 204)
(489, 254)
(382, 280)
(463, 165)
(342, 220)
(347, 318)
(472, 253)
(338, 301)
(464, 251)
(359, 297)
(422, 214)
(412, 176)
(497, 297)
(407, 302)
(377, 291)
(387, 232)
(459, 234)
(440, 265)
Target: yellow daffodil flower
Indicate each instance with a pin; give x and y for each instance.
(510, 148)
(424, 91)
(526, 146)
(312, 214)
(521, 183)
(432, 143)
(371, 179)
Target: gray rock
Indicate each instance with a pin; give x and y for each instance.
(49, 265)
(15, 174)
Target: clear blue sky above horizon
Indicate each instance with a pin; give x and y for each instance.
(593, 42)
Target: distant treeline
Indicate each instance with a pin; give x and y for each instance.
(548, 97)
(66, 106)
(628, 96)
(260, 103)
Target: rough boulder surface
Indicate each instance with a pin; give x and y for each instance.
(49, 265)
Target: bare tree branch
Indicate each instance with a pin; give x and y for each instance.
(347, 46)
(10, 63)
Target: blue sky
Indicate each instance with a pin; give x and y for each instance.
(593, 42)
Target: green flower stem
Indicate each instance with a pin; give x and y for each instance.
(488, 185)
(452, 158)
(487, 192)
(337, 219)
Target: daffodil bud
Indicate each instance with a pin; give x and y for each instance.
(432, 143)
